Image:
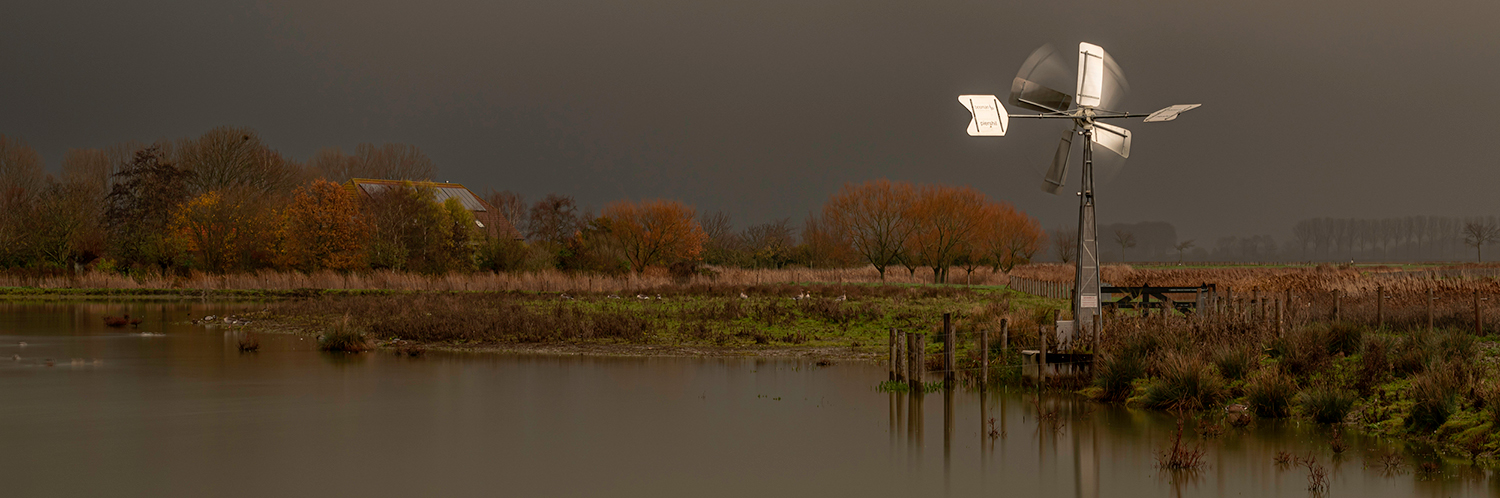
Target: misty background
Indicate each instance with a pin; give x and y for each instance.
(1337, 110)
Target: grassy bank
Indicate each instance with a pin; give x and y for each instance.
(853, 318)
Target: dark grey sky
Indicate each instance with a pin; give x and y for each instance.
(762, 108)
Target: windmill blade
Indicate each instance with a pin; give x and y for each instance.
(1112, 137)
(1057, 174)
(1170, 113)
(1101, 82)
(1036, 84)
(989, 117)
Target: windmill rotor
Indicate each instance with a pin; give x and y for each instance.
(1099, 90)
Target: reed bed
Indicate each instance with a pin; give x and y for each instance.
(541, 281)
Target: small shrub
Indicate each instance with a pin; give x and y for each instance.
(1235, 362)
(1326, 404)
(1185, 383)
(1270, 394)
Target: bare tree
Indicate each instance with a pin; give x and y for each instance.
(1181, 247)
(554, 219)
(385, 162)
(1126, 240)
(512, 207)
(1478, 233)
(226, 158)
(1065, 244)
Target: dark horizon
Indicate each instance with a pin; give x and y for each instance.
(763, 109)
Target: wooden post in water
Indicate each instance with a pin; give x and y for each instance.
(1004, 336)
(895, 355)
(1429, 309)
(1380, 307)
(1041, 373)
(913, 376)
(950, 343)
(984, 359)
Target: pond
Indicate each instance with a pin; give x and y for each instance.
(172, 408)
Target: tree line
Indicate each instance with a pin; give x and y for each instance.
(227, 202)
(1410, 238)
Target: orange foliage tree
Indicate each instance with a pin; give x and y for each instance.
(1015, 238)
(208, 226)
(654, 232)
(874, 218)
(324, 229)
(946, 219)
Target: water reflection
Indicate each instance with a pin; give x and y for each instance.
(183, 413)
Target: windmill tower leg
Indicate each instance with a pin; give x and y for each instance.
(1086, 281)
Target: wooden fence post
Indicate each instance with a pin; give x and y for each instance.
(1380, 307)
(1004, 336)
(1338, 303)
(1478, 321)
(1430, 298)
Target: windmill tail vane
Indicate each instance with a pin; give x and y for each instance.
(1099, 88)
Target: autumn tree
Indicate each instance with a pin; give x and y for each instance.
(409, 229)
(824, 246)
(873, 217)
(1015, 238)
(140, 208)
(64, 224)
(210, 227)
(945, 218)
(655, 232)
(21, 178)
(324, 229)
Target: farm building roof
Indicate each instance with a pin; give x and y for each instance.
(491, 220)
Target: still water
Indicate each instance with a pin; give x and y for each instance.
(173, 409)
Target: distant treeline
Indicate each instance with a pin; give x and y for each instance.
(226, 202)
(1411, 238)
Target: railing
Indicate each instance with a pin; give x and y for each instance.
(1043, 288)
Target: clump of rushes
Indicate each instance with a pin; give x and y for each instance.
(1124, 359)
(1270, 394)
(343, 339)
(1344, 337)
(249, 344)
(1185, 383)
(1434, 395)
(1115, 372)
(1327, 404)
(1374, 362)
(1235, 361)
(1302, 351)
(1412, 353)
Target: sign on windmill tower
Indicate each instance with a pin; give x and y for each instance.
(1099, 90)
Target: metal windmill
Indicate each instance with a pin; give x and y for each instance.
(1100, 89)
